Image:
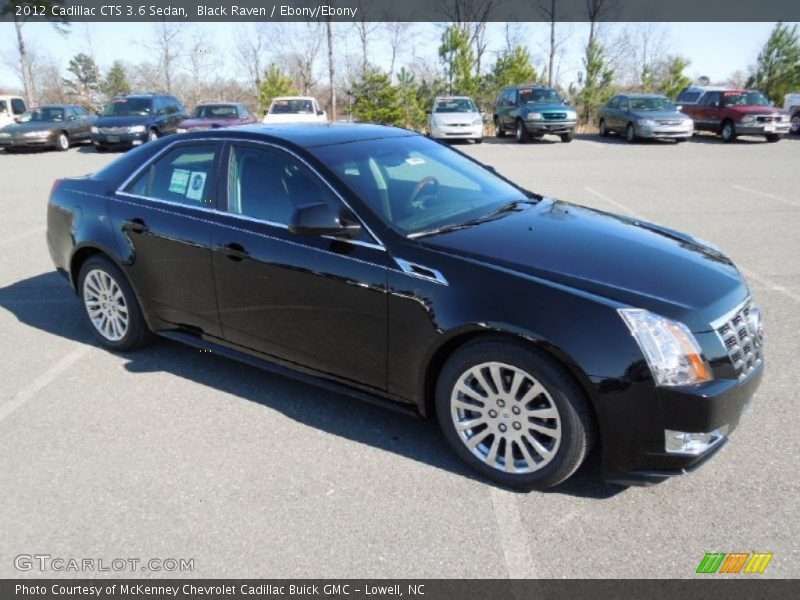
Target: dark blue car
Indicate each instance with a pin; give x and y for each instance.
(132, 120)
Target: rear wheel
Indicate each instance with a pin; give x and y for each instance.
(498, 128)
(62, 142)
(728, 132)
(110, 306)
(630, 133)
(514, 414)
(603, 129)
(521, 132)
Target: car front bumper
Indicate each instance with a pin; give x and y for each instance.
(634, 419)
(781, 128)
(119, 139)
(555, 127)
(665, 132)
(457, 132)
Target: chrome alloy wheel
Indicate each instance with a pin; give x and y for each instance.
(505, 417)
(105, 304)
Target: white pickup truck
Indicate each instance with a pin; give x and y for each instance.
(295, 109)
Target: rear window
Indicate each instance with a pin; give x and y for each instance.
(220, 111)
(291, 106)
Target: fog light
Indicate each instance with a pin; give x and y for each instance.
(682, 442)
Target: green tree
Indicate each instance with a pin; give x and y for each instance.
(375, 100)
(778, 65)
(513, 68)
(275, 83)
(116, 81)
(674, 79)
(598, 80)
(83, 81)
(459, 61)
(410, 101)
(31, 6)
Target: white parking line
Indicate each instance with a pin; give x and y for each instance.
(27, 392)
(513, 539)
(764, 281)
(21, 236)
(766, 195)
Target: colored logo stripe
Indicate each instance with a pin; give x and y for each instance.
(714, 562)
(758, 562)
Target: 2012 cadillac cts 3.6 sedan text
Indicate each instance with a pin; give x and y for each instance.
(379, 263)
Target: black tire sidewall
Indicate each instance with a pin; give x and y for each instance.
(137, 333)
(576, 425)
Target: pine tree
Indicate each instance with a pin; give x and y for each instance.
(116, 81)
(513, 68)
(413, 113)
(274, 84)
(375, 100)
(597, 80)
(674, 79)
(84, 80)
(778, 67)
(456, 54)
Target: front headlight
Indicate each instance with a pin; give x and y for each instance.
(534, 116)
(688, 122)
(137, 129)
(181, 130)
(571, 115)
(95, 129)
(645, 122)
(478, 121)
(748, 119)
(670, 349)
(5, 135)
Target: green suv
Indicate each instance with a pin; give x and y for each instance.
(531, 111)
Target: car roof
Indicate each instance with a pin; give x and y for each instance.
(309, 135)
(643, 95)
(454, 97)
(293, 98)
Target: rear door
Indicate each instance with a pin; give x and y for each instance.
(162, 222)
(313, 301)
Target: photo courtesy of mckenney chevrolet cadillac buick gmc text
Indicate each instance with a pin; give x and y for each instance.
(374, 261)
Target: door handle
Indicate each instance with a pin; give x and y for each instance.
(135, 226)
(235, 252)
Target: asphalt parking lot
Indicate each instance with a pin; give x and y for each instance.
(169, 452)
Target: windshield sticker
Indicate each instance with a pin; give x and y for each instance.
(196, 184)
(179, 181)
(415, 160)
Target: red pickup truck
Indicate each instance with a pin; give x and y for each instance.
(731, 113)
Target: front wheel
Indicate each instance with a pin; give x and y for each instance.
(62, 142)
(728, 132)
(566, 137)
(521, 133)
(774, 137)
(795, 126)
(514, 414)
(479, 140)
(110, 306)
(603, 129)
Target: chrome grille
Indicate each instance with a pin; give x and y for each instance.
(555, 116)
(766, 119)
(665, 122)
(742, 342)
(113, 130)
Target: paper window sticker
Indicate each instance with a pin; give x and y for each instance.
(179, 181)
(197, 182)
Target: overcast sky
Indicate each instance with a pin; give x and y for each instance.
(714, 49)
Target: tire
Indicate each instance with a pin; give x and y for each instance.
(566, 137)
(795, 126)
(498, 128)
(603, 129)
(479, 140)
(630, 133)
(774, 137)
(680, 140)
(62, 142)
(503, 414)
(521, 133)
(152, 135)
(101, 148)
(728, 132)
(102, 285)
(11, 150)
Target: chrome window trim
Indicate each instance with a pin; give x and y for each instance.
(377, 245)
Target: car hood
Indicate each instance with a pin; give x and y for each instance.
(26, 127)
(210, 123)
(456, 118)
(669, 115)
(760, 110)
(535, 107)
(632, 262)
(122, 121)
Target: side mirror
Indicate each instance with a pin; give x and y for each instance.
(16, 119)
(320, 112)
(482, 111)
(319, 219)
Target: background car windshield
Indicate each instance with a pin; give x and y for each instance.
(43, 115)
(647, 104)
(455, 105)
(416, 185)
(129, 106)
(215, 112)
(534, 96)
(291, 107)
(744, 99)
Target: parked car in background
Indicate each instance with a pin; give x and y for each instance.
(211, 115)
(11, 107)
(53, 126)
(791, 104)
(379, 263)
(135, 119)
(531, 111)
(295, 109)
(455, 118)
(731, 113)
(644, 116)
(692, 94)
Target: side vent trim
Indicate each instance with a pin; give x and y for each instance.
(421, 271)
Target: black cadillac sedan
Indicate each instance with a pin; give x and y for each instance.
(381, 264)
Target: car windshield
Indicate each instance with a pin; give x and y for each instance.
(215, 111)
(651, 104)
(455, 105)
(744, 99)
(415, 185)
(43, 115)
(291, 106)
(129, 106)
(539, 96)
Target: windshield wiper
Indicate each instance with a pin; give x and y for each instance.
(501, 210)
